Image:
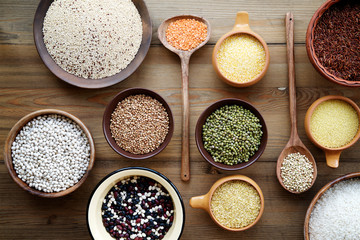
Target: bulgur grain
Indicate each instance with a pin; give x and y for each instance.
(334, 123)
(235, 204)
(186, 34)
(139, 124)
(92, 39)
(241, 58)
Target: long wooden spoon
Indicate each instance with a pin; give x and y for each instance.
(294, 144)
(185, 58)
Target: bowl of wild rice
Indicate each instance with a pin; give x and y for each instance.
(231, 134)
(138, 123)
(332, 41)
(334, 212)
(135, 203)
(235, 203)
(49, 153)
(92, 44)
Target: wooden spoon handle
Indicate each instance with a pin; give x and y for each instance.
(185, 154)
(289, 19)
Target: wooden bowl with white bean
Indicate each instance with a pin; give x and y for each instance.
(49, 153)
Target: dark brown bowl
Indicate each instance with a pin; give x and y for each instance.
(318, 196)
(311, 52)
(205, 115)
(92, 83)
(16, 129)
(110, 109)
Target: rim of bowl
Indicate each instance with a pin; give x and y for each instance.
(17, 128)
(243, 178)
(92, 83)
(254, 80)
(311, 110)
(209, 110)
(311, 51)
(110, 109)
(318, 196)
(170, 186)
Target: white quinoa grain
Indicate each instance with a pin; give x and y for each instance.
(50, 153)
(92, 39)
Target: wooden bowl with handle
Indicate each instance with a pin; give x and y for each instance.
(204, 201)
(332, 154)
(241, 27)
(17, 128)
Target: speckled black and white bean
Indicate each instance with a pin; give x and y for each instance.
(137, 208)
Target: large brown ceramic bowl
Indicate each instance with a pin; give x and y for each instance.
(318, 196)
(199, 138)
(17, 128)
(311, 52)
(92, 83)
(110, 109)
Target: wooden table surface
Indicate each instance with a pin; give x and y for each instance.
(27, 85)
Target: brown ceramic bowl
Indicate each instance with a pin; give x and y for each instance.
(318, 196)
(241, 27)
(204, 201)
(16, 129)
(110, 109)
(94, 219)
(332, 154)
(311, 52)
(206, 114)
(92, 83)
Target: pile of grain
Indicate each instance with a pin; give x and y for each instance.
(92, 39)
(334, 123)
(336, 214)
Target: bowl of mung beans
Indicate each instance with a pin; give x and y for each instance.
(332, 41)
(49, 153)
(241, 57)
(231, 134)
(332, 124)
(92, 44)
(235, 203)
(138, 123)
(135, 203)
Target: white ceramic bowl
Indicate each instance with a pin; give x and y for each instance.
(94, 219)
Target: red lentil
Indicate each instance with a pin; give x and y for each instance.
(186, 34)
(337, 40)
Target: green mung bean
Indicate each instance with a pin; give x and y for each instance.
(232, 134)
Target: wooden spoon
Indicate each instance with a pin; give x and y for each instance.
(294, 144)
(185, 58)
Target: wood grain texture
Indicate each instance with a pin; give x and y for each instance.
(27, 85)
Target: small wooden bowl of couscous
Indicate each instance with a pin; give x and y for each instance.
(241, 57)
(332, 124)
(239, 193)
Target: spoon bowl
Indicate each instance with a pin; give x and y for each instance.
(294, 144)
(185, 59)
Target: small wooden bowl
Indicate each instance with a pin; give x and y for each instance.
(311, 51)
(202, 119)
(241, 27)
(92, 83)
(94, 220)
(110, 109)
(318, 196)
(332, 154)
(16, 129)
(204, 201)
